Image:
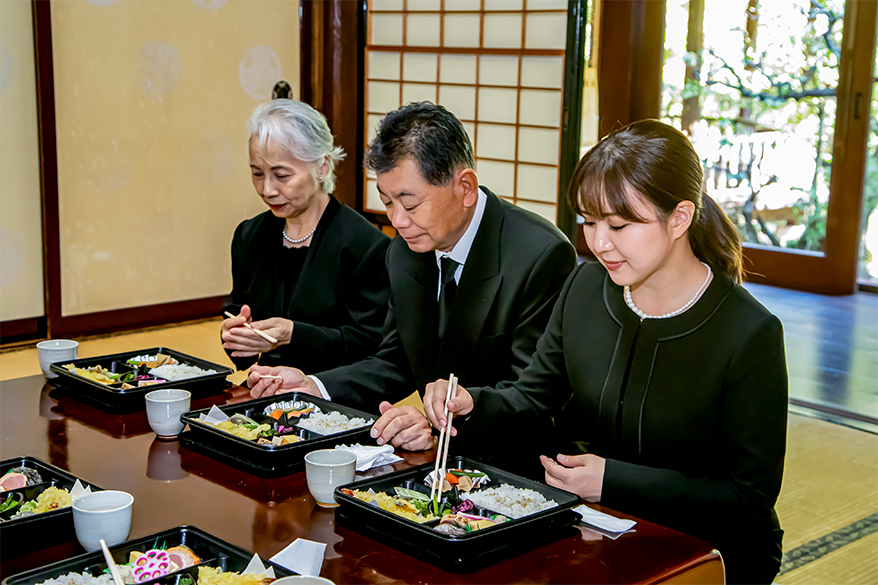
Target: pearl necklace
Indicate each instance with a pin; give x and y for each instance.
(630, 302)
(300, 240)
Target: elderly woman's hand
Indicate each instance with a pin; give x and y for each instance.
(434, 403)
(245, 342)
(580, 474)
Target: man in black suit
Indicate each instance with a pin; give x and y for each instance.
(473, 279)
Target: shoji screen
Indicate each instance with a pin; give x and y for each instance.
(497, 64)
(21, 239)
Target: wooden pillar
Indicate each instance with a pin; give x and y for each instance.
(332, 37)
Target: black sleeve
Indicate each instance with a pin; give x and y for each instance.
(540, 391)
(242, 271)
(544, 284)
(364, 304)
(384, 376)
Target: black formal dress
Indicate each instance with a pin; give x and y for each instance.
(335, 290)
(515, 269)
(690, 412)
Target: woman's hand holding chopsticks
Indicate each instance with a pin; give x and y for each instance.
(434, 403)
(246, 337)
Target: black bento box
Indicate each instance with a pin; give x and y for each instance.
(464, 553)
(39, 530)
(114, 397)
(269, 460)
(214, 552)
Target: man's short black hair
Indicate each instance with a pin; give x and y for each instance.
(429, 134)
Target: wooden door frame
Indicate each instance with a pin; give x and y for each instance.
(332, 80)
(629, 86)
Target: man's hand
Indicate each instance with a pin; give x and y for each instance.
(291, 380)
(434, 403)
(245, 342)
(580, 474)
(402, 426)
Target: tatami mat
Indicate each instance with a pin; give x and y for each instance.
(855, 563)
(830, 477)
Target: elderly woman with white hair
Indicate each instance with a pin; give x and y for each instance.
(309, 272)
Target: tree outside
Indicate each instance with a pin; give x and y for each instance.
(753, 84)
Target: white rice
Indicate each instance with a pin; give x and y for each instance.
(80, 579)
(179, 372)
(510, 501)
(332, 422)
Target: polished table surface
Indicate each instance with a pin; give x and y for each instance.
(175, 486)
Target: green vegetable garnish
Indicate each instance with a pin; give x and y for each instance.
(9, 504)
(411, 494)
(458, 473)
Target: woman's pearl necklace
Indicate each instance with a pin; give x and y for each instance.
(300, 240)
(630, 302)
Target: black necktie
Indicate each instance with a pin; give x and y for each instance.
(446, 292)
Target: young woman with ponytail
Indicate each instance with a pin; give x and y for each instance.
(665, 378)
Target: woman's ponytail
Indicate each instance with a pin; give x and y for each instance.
(716, 241)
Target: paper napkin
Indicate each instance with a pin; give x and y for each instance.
(256, 567)
(369, 457)
(302, 556)
(78, 491)
(604, 521)
(214, 416)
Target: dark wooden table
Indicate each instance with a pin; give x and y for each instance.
(173, 486)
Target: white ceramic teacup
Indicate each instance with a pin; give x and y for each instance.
(56, 350)
(302, 580)
(102, 515)
(164, 408)
(327, 468)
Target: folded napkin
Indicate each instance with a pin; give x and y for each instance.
(369, 457)
(78, 491)
(604, 521)
(256, 567)
(214, 416)
(302, 556)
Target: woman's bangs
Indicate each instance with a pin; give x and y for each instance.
(600, 197)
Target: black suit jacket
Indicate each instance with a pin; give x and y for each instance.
(516, 267)
(689, 412)
(340, 300)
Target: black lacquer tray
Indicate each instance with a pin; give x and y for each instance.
(115, 398)
(464, 553)
(213, 552)
(269, 460)
(39, 530)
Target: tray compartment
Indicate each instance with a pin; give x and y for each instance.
(213, 551)
(454, 553)
(115, 398)
(40, 530)
(269, 460)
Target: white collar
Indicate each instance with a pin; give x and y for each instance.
(460, 251)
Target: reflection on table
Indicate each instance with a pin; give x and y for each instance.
(174, 486)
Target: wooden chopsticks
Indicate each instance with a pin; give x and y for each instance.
(262, 333)
(111, 564)
(442, 449)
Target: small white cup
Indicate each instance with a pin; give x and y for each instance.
(327, 468)
(102, 515)
(56, 350)
(163, 410)
(302, 580)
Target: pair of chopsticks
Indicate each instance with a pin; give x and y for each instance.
(111, 564)
(442, 449)
(258, 332)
